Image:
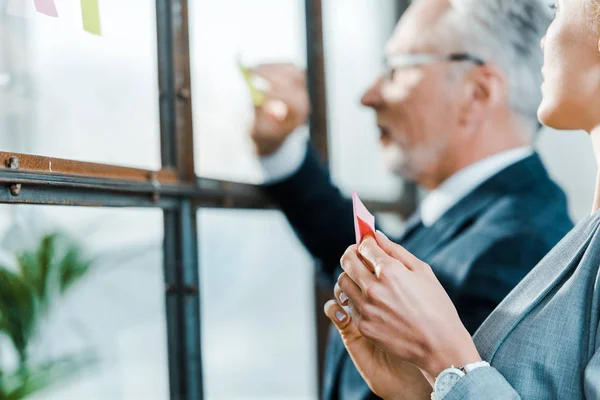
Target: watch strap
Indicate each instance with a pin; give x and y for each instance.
(473, 366)
(466, 369)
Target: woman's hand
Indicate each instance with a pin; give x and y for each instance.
(388, 377)
(402, 308)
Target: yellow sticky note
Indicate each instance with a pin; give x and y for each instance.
(90, 12)
(258, 97)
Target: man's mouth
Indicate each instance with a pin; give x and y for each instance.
(385, 135)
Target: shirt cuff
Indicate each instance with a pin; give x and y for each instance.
(287, 160)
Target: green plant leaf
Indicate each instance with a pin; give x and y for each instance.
(18, 309)
(28, 381)
(53, 267)
(29, 270)
(73, 266)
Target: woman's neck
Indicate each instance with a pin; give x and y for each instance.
(595, 135)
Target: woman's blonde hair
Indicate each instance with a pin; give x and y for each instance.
(593, 8)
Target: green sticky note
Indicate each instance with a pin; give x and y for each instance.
(90, 12)
(258, 97)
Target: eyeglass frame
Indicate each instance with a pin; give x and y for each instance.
(419, 59)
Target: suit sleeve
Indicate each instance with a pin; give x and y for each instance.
(493, 273)
(318, 212)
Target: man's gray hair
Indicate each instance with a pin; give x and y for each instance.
(505, 33)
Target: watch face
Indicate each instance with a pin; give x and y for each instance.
(446, 381)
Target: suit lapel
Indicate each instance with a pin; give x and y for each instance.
(532, 289)
(443, 230)
(511, 179)
(409, 226)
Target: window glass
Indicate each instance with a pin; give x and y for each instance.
(67, 93)
(259, 31)
(354, 59)
(258, 329)
(100, 306)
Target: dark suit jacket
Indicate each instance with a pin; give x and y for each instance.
(479, 249)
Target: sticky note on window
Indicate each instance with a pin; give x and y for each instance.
(364, 221)
(46, 7)
(90, 12)
(258, 97)
(18, 8)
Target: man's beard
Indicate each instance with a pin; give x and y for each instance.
(394, 159)
(410, 164)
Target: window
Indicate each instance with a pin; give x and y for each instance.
(112, 314)
(220, 32)
(69, 94)
(257, 300)
(353, 62)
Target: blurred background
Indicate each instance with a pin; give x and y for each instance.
(68, 94)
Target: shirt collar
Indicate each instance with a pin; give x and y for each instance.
(453, 189)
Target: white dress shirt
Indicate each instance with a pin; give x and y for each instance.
(288, 159)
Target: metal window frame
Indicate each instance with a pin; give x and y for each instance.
(29, 179)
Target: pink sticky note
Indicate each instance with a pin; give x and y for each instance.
(364, 221)
(18, 8)
(46, 7)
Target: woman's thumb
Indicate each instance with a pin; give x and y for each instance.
(342, 321)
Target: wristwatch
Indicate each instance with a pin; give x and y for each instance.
(450, 376)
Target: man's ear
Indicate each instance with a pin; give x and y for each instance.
(490, 84)
(486, 88)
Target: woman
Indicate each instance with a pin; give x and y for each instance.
(543, 340)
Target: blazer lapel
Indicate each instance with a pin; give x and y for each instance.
(532, 289)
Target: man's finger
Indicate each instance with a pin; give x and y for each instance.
(374, 255)
(356, 269)
(397, 252)
(276, 109)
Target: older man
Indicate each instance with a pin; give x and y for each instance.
(456, 109)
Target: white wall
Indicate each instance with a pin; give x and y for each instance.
(569, 158)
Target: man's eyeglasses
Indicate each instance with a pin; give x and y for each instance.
(415, 60)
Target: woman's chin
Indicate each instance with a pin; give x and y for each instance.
(549, 115)
(560, 112)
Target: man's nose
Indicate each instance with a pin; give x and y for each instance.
(372, 97)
